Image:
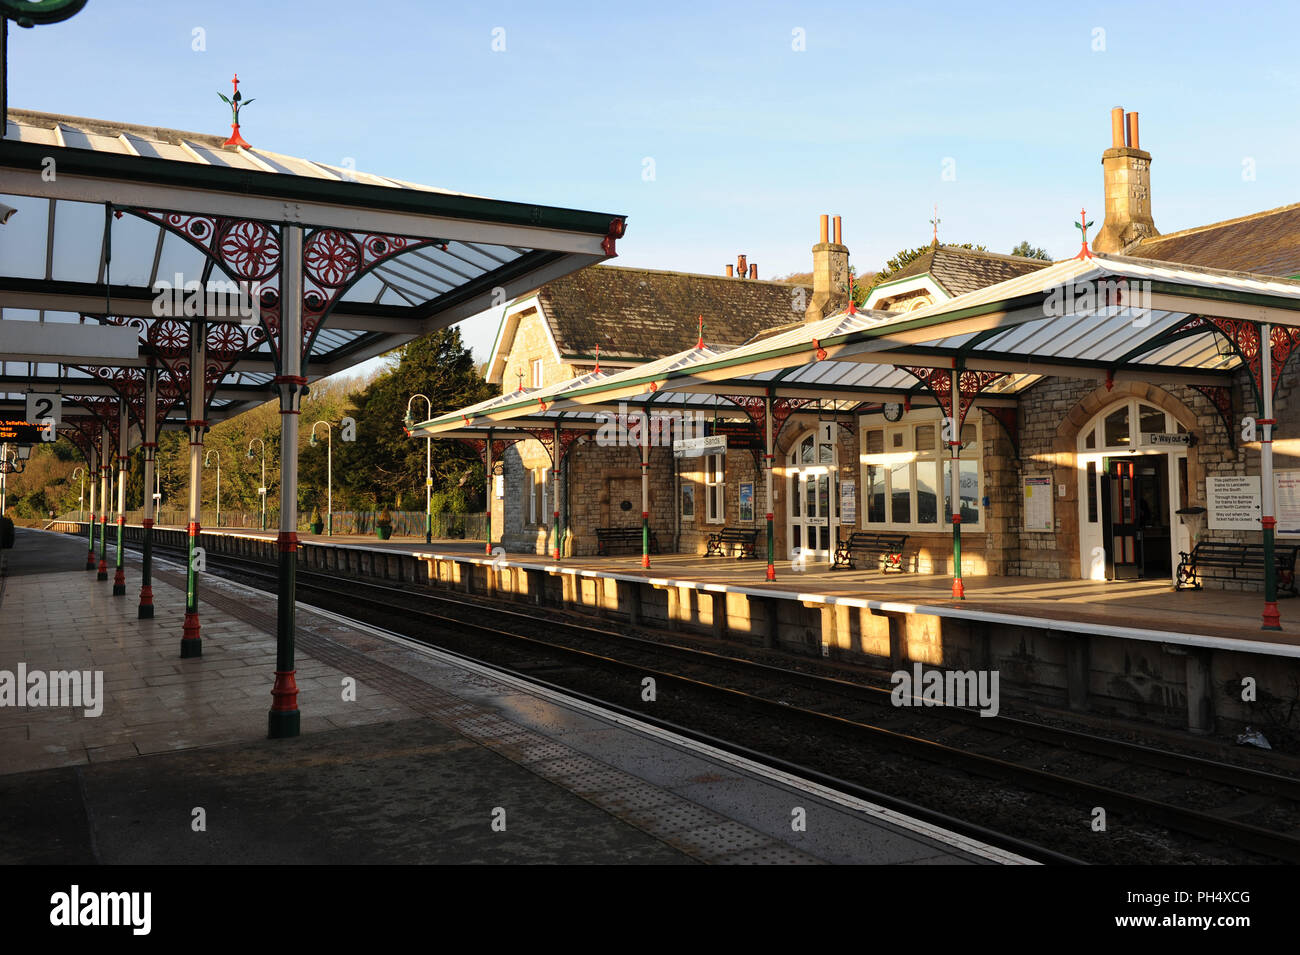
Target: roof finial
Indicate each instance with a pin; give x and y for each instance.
(700, 343)
(520, 374)
(853, 307)
(236, 103)
(935, 222)
(596, 370)
(1082, 225)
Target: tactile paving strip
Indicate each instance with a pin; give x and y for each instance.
(696, 830)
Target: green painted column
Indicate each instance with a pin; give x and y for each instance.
(104, 458)
(92, 466)
(191, 635)
(767, 480)
(487, 481)
(119, 575)
(1272, 619)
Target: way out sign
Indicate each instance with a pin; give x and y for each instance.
(41, 408)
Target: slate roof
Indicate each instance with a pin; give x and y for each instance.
(642, 314)
(964, 270)
(1266, 242)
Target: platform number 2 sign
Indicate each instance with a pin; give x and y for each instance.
(47, 411)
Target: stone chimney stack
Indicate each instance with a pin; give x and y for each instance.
(1127, 172)
(830, 274)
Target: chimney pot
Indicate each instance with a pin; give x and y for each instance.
(753, 271)
(1117, 127)
(837, 231)
(1133, 130)
(730, 270)
(824, 229)
(741, 268)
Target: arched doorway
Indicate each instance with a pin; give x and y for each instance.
(1132, 466)
(812, 494)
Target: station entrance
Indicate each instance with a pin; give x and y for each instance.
(813, 494)
(1132, 465)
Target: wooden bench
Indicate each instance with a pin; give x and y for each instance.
(1224, 561)
(888, 546)
(730, 537)
(622, 537)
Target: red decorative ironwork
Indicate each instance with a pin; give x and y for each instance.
(1243, 338)
(499, 446)
(969, 385)
(250, 249)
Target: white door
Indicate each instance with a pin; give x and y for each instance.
(813, 495)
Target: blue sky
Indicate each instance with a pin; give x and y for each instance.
(750, 138)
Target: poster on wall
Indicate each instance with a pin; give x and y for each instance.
(1038, 503)
(688, 502)
(849, 502)
(1287, 487)
(1234, 502)
(747, 503)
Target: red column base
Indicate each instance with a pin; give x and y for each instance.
(284, 720)
(191, 642)
(1272, 619)
(90, 560)
(771, 572)
(103, 570)
(146, 603)
(958, 589)
(119, 583)
(645, 561)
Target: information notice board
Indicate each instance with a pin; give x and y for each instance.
(1038, 503)
(1234, 502)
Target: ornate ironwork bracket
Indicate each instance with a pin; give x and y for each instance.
(938, 381)
(1242, 337)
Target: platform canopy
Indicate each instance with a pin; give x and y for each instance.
(107, 215)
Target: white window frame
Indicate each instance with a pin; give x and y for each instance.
(905, 453)
(536, 500)
(715, 488)
(539, 373)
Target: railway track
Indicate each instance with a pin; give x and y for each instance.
(1187, 794)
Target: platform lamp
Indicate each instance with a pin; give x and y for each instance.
(81, 495)
(205, 464)
(261, 491)
(329, 472)
(428, 467)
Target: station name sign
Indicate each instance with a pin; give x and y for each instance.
(18, 431)
(698, 447)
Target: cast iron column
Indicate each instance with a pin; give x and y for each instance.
(767, 478)
(284, 719)
(1272, 619)
(645, 488)
(150, 445)
(92, 464)
(487, 547)
(958, 588)
(191, 640)
(555, 484)
(104, 467)
(119, 575)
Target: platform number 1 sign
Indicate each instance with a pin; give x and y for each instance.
(46, 411)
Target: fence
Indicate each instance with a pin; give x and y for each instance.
(446, 526)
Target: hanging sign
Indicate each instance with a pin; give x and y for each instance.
(741, 435)
(1038, 503)
(41, 409)
(1234, 502)
(18, 431)
(698, 447)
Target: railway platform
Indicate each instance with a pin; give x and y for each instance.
(406, 754)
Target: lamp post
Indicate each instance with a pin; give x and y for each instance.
(81, 495)
(261, 491)
(428, 468)
(205, 464)
(7, 463)
(329, 473)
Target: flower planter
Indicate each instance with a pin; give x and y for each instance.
(383, 533)
(316, 528)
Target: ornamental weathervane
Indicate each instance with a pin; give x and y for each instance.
(1082, 225)
(235, 103)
